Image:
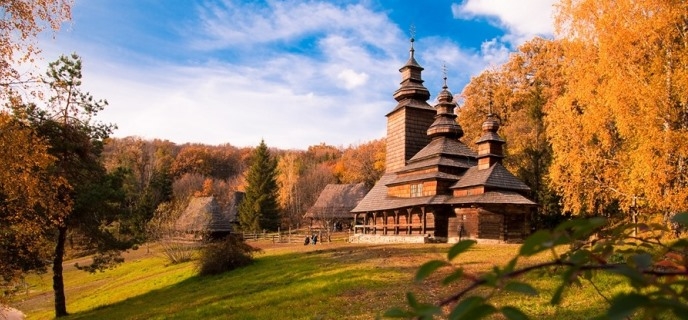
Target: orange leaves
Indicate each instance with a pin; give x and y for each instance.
(521, 93)
(362, 163)
(626, 86)
(21, 22)
(26, 185)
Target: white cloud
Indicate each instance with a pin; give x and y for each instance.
(494, 52)
(352, 79)
(234, 24)
(520, 18)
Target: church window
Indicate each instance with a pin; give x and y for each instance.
(417, 190)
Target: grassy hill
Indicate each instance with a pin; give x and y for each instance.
(288, 281)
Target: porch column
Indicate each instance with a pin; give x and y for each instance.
(374, 222)
(396, 221)
(409, 220)
(384, 223)
(365, 223)
(355, 221)
(422, 220)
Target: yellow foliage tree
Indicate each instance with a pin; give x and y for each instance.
(619, 131)
(363, 163)
(519, 93)
(289, 172)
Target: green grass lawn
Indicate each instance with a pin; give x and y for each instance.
(329, 281)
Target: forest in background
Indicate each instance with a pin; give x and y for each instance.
(158, 171)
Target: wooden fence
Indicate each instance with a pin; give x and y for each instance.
(294, 236)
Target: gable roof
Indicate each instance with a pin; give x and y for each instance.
(337, 200)
(201, 215)
(496, 176)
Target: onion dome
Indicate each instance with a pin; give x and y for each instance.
(445, 124)
(490, 128)
(491, 124)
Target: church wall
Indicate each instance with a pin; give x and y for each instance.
(395, 140)
(469, 191)
(497, 222)
(443, 187)
(404, 190)
(490, 225)
(517, 222)
(468, 217)
(417, 122)
(406, 135)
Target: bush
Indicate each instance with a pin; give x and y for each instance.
(225, 255)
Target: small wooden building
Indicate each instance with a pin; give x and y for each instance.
(435, 187)
(203, 217)
(334, 205)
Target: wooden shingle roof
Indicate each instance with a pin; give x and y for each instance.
(493, 197)
(446, 147)
(439, 161)
(424, 176)
(337, 200)
(496, 176)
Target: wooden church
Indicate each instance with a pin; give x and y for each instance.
(436, 188)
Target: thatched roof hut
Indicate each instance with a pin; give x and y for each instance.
(336, 201)
(203, 214)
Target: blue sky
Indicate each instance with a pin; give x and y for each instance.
(295, 73)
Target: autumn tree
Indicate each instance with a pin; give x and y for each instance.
(289, 167)
(363, 163)
(147, 177)
(259, 209)
(30, 201)
(520, 93)
(220, 162)
(619, 132)
(76, 141)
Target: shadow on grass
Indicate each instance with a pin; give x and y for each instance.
(322, 283)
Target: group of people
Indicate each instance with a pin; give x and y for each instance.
(312, 239)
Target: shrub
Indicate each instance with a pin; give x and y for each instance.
(225, 255)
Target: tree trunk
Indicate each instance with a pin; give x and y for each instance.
(58, 280)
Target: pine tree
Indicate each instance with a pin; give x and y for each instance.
(259, 209)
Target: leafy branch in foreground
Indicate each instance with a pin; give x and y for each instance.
(656, 270)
